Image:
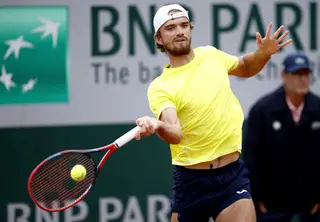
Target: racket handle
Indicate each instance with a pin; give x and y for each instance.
(127, 137)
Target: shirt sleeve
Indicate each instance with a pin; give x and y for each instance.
(231, 62)
(159, 99)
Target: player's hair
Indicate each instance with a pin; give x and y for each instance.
(160, 47)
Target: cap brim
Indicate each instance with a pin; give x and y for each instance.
(297, 67)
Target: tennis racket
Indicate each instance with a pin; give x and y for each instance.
(50, 185)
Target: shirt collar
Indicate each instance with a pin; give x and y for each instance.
(292, 107)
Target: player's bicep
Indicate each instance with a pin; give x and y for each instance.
(170, 116)
(240, 70)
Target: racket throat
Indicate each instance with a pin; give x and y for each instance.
(106, 156)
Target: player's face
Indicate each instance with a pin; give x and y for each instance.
(175, 36)
(297, 82)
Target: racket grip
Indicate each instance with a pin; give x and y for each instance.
(130, 135)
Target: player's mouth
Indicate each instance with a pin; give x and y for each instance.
(180, 40)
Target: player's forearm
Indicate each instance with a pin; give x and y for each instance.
(254, 62)
(170, 133)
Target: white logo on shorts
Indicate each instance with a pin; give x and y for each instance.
(242, 191)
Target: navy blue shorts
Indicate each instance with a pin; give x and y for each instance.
(198, 195)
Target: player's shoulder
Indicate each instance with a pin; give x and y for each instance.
(205, 49)
(208, 52)
(156, 84)
(213, 53)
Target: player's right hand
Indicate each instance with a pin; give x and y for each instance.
(148, 126)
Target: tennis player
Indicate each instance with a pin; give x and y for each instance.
(199, 116)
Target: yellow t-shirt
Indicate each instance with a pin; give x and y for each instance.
(211, 117)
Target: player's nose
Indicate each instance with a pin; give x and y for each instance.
(180, 31)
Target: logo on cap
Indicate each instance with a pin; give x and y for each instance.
(299, 61)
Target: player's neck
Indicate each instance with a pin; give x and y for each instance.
(176, 61)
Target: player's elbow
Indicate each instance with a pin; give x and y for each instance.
(242, 72)
(171, 139)
(176, 140)
(178, 137)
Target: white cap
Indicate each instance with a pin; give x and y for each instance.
(162, 15)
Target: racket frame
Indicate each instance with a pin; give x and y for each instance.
(109, 149)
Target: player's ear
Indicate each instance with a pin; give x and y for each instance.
(158, 39)
(191, 26)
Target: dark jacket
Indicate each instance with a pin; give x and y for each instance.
(283, 157)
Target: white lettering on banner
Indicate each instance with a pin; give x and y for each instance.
(22, 216)
(113, 57)
(82, 210)
(162, 213)
(46, 216)
(110, 209)
(132, 212)
(105, 215)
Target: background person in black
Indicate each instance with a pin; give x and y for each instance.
(282, 147)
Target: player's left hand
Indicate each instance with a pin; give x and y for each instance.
(315, 209)
(271, 44)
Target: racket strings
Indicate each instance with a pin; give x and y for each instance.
(52, 185)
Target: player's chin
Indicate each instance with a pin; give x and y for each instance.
(180, 50)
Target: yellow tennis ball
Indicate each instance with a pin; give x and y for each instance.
(78, 172)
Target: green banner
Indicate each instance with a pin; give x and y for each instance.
(134, 185)
(34, 63)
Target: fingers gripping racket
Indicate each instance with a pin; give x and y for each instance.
(50, 184)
